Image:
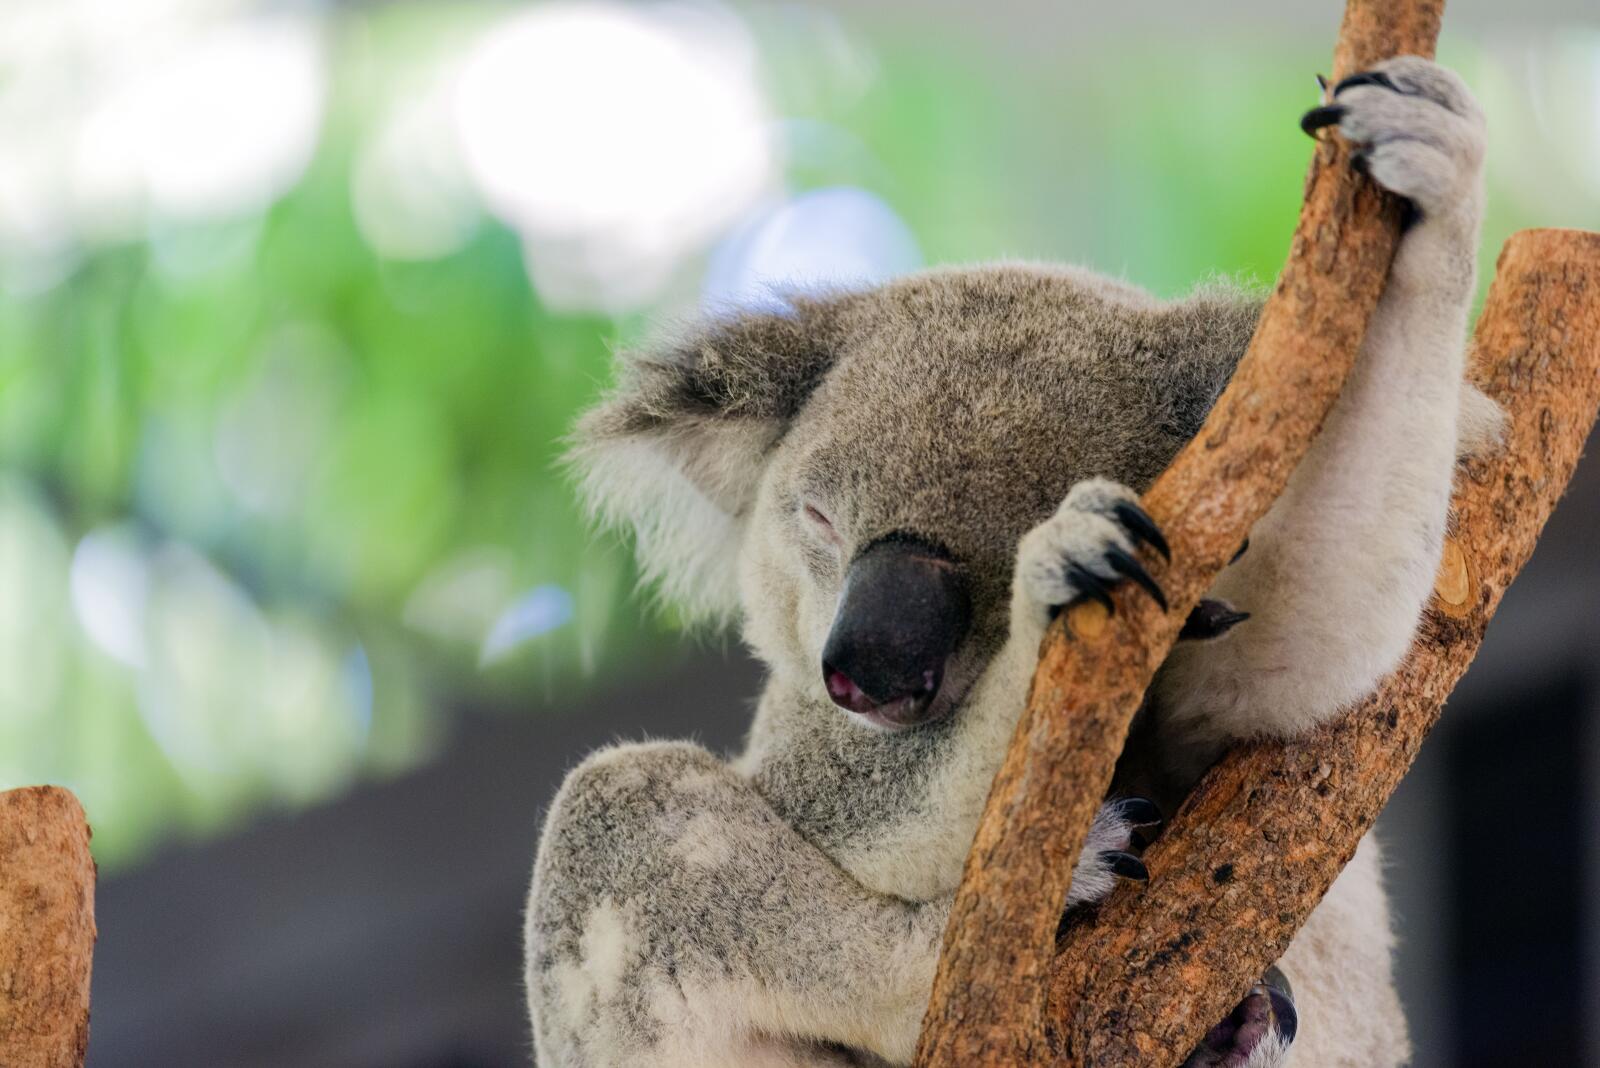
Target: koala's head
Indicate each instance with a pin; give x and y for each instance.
(851, 476)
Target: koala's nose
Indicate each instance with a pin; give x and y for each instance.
(903, 611)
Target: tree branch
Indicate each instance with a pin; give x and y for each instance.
(47, 929)
(1140, 983)
(988, 997)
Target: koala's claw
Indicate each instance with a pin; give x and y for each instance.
(1090, 585)
(1367, 77)
(1285, 1018)
(1138, 811)
(1126, 865)
(1107, 856)
(1211, 619)
(1416, 130)
(1318, 117)
(1129, 568)
(1142, 528)
(1084, 550)
(1258, 1032)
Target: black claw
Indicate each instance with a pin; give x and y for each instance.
(1139, 811)
(1284, 1015)
(1211, 619)
(1126, 865)
(1128, 567)
(1410, 214)
(1318, 117)
(1274, 979)
(1091, 585)
(1139, 524)
(1322, 84)
(1282, 998)
(1241, 552)
(1367, 77)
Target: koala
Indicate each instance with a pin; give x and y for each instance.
(893, 491)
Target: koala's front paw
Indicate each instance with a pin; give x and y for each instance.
(1086, 548)
(1105, 857)
(1417, 128)
(1256, 1034)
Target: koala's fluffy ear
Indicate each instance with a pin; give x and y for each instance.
(676, 449)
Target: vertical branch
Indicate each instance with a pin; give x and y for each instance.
(46, 929)
(988, 997)
(1263, 836)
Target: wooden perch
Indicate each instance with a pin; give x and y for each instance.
(987, 1006)
(1141, 983)
(47, 929)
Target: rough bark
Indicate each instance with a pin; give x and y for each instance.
(988, 997)
(1262, 837)
(47, 929)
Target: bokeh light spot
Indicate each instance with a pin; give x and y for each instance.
(537, 612)
(826, 239)
(616, 139)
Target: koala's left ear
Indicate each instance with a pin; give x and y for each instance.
(676, 450)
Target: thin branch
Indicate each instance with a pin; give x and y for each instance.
(988, 997)
(1141, 982)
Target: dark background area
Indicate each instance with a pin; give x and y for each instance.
(381, 930)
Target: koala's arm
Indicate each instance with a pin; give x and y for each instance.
(676, 919)
(1338, 571)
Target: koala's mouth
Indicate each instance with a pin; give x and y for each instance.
(896, 714)
(940, 696)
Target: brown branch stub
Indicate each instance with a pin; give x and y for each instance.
(1141, 983)
(987, 1003)
(47, 929)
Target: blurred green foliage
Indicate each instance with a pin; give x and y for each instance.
(337, 468)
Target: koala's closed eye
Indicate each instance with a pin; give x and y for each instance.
(819, 521)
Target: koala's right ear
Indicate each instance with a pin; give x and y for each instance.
(676, 449)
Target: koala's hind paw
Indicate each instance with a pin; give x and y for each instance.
(1105, 857)
(1256, 1034)
(1419, 133)
(1087, 547)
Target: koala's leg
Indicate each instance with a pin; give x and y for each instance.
(1339, 569)
(675, 920)
(1344, 993)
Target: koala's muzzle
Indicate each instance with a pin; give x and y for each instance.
(903, 611)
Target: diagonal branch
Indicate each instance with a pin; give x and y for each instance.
(1141, 982)
(987, 1006)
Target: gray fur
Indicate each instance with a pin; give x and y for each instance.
(786, 908)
